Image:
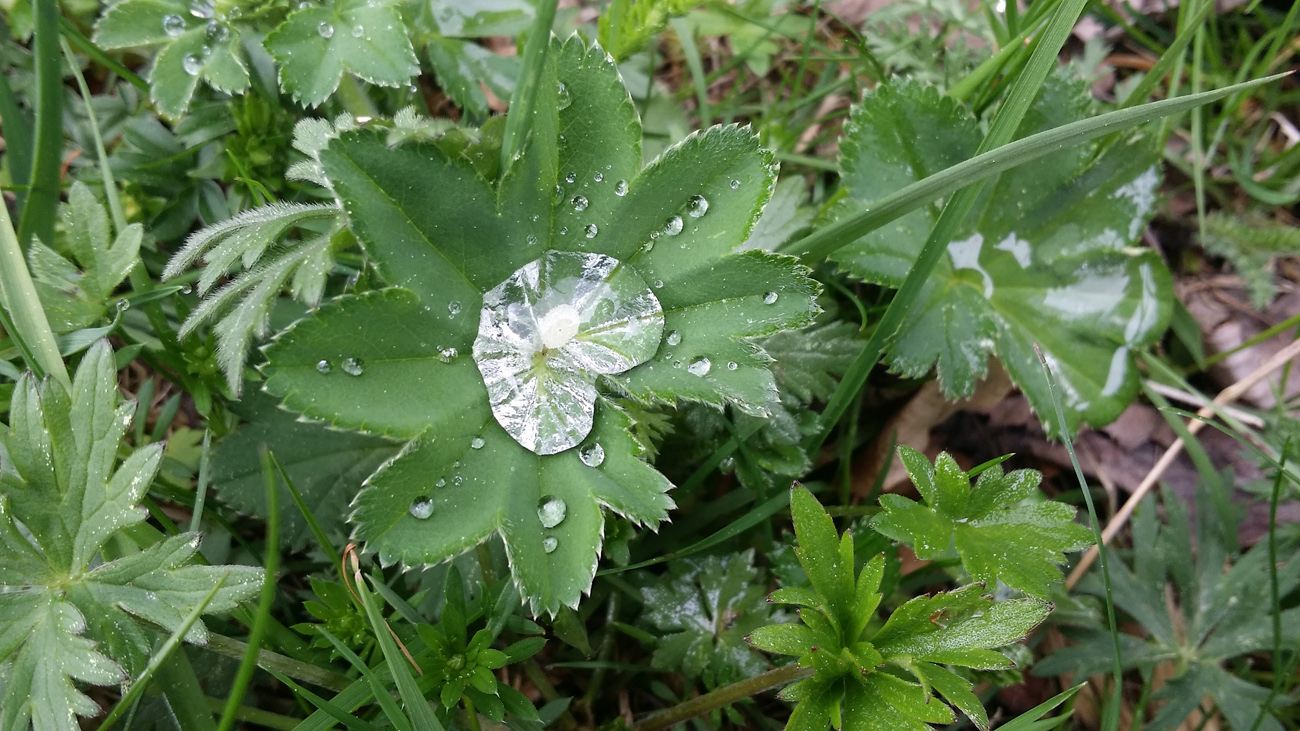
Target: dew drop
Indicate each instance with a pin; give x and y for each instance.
(549, 544)
(673, 338)
(453, 308)
(193, 64)
(422, 508)
(186, 289)
(123, 305)
(598, 177)
(327, 31)
(551, 511)
(592, 455)
(216, 32)
(697, 206)
(564, 230)
(173, 25)
(770, 298)
(457, 480)
(532, 240)
(323, 366)
(658, 284)
(353, 366)
(579, 202)
(477, 443)
(570, 178)
(648, 246)
(358, 31)
(620, 188)
(735, 184)
(447, 355)
(732, 365)
(442, 482)
(562, 98)
(699, 366)
(591, 230)
(673, 226)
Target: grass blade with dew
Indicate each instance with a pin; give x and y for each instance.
(1110, 721)
(141, 682)
(244, 676)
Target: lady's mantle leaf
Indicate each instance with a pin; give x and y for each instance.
(315, 45)
(60, 618)
(1045, 258)
(401, 362)
(192, 48)
(996, 536)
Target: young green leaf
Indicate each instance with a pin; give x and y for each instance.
(996, 535)
(1046, 257)
(616, 279)
(315, 45)
(64, 614)
(190, 48)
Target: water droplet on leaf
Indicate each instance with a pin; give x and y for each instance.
(353, 366)
(579, 202)
(549, 544)
(732, 365)
(422, 508)
(620, 188)
(770, 298)
(477, 443)
(446, 355)
(551, 511)
(453, 308)
(598, 177)
(592, 455)
(123, 305)
(673, 226)
(570, 178)
(699, 366)
(562, 98)
(591, 230)
(358, 31)
(193, 64)
(173, 25)
(323, 366)
(326, 30)
(697, 206)
(673, 338)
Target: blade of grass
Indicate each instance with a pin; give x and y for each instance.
(1110, 720)
(377, 686)
(201, 490)
(1165, 63)
(421, 714)
(335, 712)
(244, 676)
(1030, 720)
(524, 97)
(316, 530)
(686, 37)
(101, 154)
(1274, 596)
(139, 683)
(23, 317)
(43, 191)
(86, 46)
(18, 141)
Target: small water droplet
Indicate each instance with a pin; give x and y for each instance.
(531, 240)
(457, 480)
(551, 511)
(658, 284)
(216, 32)
(770, 298)
(453, 308)
(123, 305)
(358, 31)
(727, 465)
(699, 366)
(579, 202)
(353, 366)
(677, 364)
(697, 206)
(598, 177)
(422, 508)
(732, 365)
(326, 30)
(477, 443)
(620, 188)
(591, 230)
(592, 455)
(323, 366)
(673, 226)
(673, 338)
(442, 482)
(186, 289)
(735, 184)
(447, 355)
(193, 64)
(549, 544)
(570, 178)
(648, 246)
(173, 25)
(562, 97)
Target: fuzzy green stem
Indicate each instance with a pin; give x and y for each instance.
(723, 696)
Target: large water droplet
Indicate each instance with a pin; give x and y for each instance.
(770, 298)
(173, 25)
(591, 230)
(673, 338)
(697, 206)
(592, 455)
(620, 188)
(562, 97)
(579, 202)
(323, 366)
(193, 64)
(353, 366)
(422, 508)
(551, 511)
(699, 366)
(326, 30)
(673, 226)
(549, 544)
(549, 330)
(477, 443)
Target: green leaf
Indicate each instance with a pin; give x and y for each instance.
(1047, 255)
(702, 610)
(996, 535)
(462, 66)
(65, 615)
(935, 628)
(191, 48)
(457, 19)
(315, 45)
(820, 553)
(410, 361)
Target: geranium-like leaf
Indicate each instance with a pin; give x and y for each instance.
(191, 49)
(317, 44)
(1048, 255)
(996, 535)
(61, 619)
(404, 362)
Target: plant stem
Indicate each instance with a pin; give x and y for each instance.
(520, 116)
(256, 715)
(280, 663)
(43, 195)
(723, 696)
